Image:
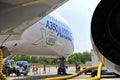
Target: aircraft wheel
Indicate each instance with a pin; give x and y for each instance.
(59, 71)
(64, 71)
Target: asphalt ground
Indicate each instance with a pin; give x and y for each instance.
(52, 72)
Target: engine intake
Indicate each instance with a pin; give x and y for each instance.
(105, 32)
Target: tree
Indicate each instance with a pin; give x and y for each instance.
(79, 57)
(73, 59)
(19, 58)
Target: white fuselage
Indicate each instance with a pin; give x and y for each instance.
(49, 37)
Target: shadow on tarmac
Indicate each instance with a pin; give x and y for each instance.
(39, 77)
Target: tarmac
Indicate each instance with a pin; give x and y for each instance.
(52, 72)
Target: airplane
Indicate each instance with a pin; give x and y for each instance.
(49, 37)
(17, 16)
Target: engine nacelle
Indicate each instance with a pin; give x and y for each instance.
(105, 33)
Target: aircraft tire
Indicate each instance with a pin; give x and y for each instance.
(59, 71)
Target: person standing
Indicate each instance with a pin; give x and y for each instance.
(33, 69)
(77, 67)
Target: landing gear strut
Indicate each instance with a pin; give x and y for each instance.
(61, 66)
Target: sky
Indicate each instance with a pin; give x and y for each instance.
(78, 14)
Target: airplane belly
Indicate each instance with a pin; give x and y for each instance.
(21, 47)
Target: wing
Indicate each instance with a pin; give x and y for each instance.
(17, 15)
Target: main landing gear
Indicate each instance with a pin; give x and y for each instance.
(61, 66)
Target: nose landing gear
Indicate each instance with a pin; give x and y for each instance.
(61, 66)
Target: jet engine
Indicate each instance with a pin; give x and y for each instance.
(105, 33)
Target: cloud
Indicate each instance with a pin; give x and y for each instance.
(79, 13)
